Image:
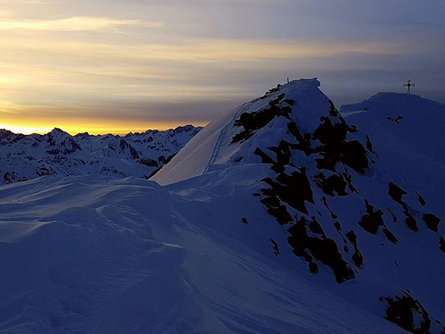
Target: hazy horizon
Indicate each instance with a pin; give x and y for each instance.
(124, 66)
(92, 131)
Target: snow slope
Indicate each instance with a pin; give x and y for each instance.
(342, 192)
(407, 129)
(281, 217)
(58, 153)
(211, 149)
(107, 262)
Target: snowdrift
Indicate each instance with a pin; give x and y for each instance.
(282, 217)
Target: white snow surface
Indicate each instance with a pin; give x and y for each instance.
(194, 159)
(58, 153)
(194, 251)
(210, 149)
(110, 255)
(408, 134)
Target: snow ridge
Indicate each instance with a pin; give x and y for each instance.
(337, 192)
(283, 216)
(58, 153)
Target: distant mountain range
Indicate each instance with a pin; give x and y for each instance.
(286, 215)
(24, 157)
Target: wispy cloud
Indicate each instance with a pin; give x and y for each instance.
(115, 60)
(78, 23)
(190, 50)
(34, 2)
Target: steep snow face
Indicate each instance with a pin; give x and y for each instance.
(58, 153)
(281, 217)
(344, 211)
(194, 159)
(211, 148)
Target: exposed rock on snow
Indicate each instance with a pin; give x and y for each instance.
(283, 216)
(328, 185)
(58, 153)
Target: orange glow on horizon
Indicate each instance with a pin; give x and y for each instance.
(96, 129)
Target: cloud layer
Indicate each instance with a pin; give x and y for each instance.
(79, 23)
(115, 65)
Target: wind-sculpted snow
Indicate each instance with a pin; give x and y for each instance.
(281, 217)
(58, 153)
(112, 255)
(343, 208)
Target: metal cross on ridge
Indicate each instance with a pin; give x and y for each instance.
(409, 85)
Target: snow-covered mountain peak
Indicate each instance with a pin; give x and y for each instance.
(348, 209)
(283, 216)
(58, 131)
(82, 135)
(5, 132)
(6, 135)
(296, 86)
(234, 137)
(395, 102)
(58, 153)
(410, 123)
(302, 96)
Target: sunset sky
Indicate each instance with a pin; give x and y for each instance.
(129, 65)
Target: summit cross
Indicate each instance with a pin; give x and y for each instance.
(409, 84)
